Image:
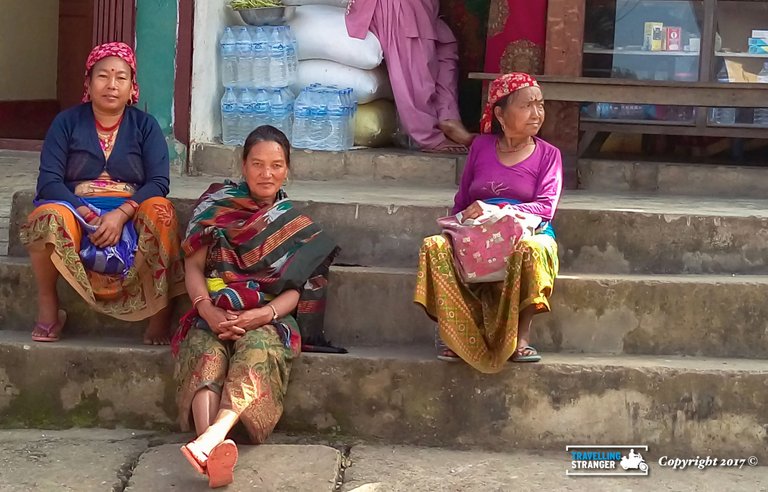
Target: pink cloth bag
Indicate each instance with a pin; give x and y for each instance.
(482, 246)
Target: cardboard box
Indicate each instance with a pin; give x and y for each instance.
(653, 38)
(758, 50)
(673, 38)
(759, 33)
(758, 42)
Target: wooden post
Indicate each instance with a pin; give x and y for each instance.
(565, 41)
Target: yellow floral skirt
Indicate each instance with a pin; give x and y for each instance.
(157, 274)
(479, 322)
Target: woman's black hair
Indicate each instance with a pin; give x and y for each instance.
(501, 103)
(268, 133)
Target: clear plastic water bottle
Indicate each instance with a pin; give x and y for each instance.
(260, 54)
(281, 116)
(351, 103)
(291, 55)
(229, 118)
(228, 53)
(277, 64)
(320, 128)
(246, 115)
(244, 58)
(338, 118)
(288, 97)
(302, 115)
(723, 116)
(261, 109)
(761, 114)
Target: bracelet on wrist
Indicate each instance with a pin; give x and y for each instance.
(274, 312)
(200, 299)
(133, 204)
(90, 216)
(126, 213)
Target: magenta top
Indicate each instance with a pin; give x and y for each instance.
(536, 181)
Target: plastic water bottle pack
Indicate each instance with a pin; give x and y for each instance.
(324, 118)
(258, 64)
(263, 56)
(243, 110)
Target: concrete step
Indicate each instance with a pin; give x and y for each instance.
(704, 180)
(690, 406)
(379, 225)
(719, 316)
(715, 316)
(360, 165)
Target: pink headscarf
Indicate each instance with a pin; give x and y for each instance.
(503, 86)
(120, 50)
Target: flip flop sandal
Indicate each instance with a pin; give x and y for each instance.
(448, 355)
(196, 458)
(519, 357)
(49, 328)
(221, 464)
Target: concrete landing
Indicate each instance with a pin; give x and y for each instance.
(89, 460)
(271, 467)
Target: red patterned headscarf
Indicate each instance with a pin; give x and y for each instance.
(120, 50)
(503, 86)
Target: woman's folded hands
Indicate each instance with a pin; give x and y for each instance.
(231, 325)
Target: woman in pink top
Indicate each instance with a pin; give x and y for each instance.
(421, 57)
(488, 324)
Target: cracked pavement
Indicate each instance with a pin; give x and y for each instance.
(87, 460)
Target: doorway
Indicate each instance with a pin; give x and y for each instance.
(46, 62)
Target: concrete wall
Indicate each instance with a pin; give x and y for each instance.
(28, 49)
(210, 18)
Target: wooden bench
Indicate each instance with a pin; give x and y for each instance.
(698, 94)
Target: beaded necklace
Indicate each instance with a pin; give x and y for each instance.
(107, 134)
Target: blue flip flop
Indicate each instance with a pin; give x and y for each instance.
(519, 357)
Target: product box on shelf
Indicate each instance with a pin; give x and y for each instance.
(759, 33)
(653, 39)
(673, 38)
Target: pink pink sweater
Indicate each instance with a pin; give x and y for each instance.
(536, 182)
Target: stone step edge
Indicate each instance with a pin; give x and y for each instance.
(612, 202)
(406, 396)
(610, 278)
(606, 277)
(418, 355)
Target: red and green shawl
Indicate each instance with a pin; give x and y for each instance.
(259, 249)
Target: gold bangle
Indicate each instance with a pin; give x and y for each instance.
(274, 312)
(200, 299)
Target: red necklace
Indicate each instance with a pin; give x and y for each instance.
(106, 141)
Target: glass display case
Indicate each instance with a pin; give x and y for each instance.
(679, 41)
(741, 56)
(656, 40)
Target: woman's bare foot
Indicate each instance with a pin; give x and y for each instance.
(158, 331)
(447, 147)
(456, 131)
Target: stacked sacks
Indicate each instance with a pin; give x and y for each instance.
(329, 56)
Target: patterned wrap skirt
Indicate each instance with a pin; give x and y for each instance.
(479, 322)
(157, 274)
(251, 375)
